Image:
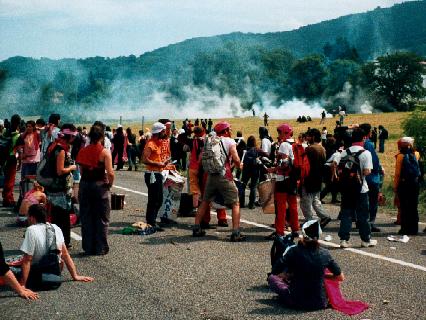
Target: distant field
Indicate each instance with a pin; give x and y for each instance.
(391, 121)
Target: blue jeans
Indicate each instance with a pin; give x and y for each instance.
(362, 215)
(373, 195)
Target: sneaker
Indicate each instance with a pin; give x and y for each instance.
(198, 233)
(222, 223)
(237, 237)
(344, 244)
(366, 244)
(375, 229)
(324, 222)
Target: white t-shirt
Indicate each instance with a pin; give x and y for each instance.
(333, 158)
(227, 143)
(266, 145)
(365, 162)
(324, 134)
(34, 243)
(285, 148)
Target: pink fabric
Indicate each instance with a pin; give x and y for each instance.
(338, 302)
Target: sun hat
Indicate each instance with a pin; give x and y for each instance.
(157, 127)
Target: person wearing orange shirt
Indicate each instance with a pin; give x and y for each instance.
(152, 158)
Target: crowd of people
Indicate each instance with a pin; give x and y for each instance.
(73, 165)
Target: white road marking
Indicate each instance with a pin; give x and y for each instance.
(324, 243)
(76, 236)
(130, 190)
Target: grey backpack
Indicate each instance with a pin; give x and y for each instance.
(214, 156)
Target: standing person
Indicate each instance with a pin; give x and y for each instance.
(61, 167)
(406, 186)
(9, 169)
(286, 183)
(250, 170)
(204, 124)
(223, 184)
(342, 115)
(118, 141)
(241, 147)
(354, 195)
(323, 115)
(131, 149)
(312, 173)
(141, 145)
(30, 150)
(195, 167)
(374, 178)
(324, 136)
(50, 132)
(253, 112)
(265, 142)
(94, 193)
(153, 174)
(329, 176)
(265, 119)
(373, 137)
(209, 125)
(197, 122)
(383, 135)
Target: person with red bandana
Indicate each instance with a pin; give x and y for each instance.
(223, 184)
(286, 183)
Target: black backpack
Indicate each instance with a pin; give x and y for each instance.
(279, 246)
(350, 175)
(250, 159)
(410, 169)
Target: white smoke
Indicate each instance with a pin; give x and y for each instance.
(203, 103)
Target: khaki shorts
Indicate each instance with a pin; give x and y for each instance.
(194, 184)
(218, 184)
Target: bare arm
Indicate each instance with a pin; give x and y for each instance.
(235, 157)
(145, 159)
(60, 161)
(340, 277)
(71, 266)
(25, 293)
(26, 266)
(107, 159)
(366, 172)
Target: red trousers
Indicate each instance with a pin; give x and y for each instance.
(9, 181)
(281, 200)
(221, 215)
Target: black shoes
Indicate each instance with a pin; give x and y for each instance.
(375, 229)
(222, 223)
(237, 237)
(198, 233)
(324, 222)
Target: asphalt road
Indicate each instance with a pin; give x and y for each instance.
(170, 275)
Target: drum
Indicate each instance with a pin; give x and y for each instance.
(266, 196)
(117, 201)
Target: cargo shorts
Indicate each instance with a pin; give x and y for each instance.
(226, 188)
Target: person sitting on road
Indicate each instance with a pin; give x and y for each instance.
(34, 245)
(7, 277)
(298, 277)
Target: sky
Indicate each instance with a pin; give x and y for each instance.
(110, 28)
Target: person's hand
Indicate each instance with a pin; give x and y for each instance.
(83, 279)
(241, 165)
(383, 171)
(28, 294)
(73, 167)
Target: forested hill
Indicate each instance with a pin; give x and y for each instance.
(374, 33)
(253, 68)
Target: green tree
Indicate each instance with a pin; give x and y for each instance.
(395, 79)
(308, 77)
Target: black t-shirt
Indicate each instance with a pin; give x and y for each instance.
(4, 268)
(307, 267)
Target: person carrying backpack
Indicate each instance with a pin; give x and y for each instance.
(219, 150)
(251, 170)
(353, 165)
(406, 186)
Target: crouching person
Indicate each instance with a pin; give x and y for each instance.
(298, 277)
(40, 237)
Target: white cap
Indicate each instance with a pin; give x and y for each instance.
(180, 131)
(409, 140)
(312, 229)
(158, 127)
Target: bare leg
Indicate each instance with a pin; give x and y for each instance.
(236, 216)
(204, 206)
